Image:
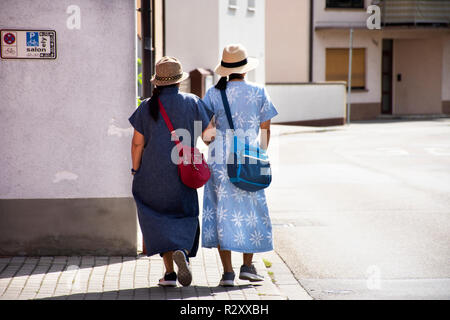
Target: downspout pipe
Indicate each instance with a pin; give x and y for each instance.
(147, 47)
(311, 38)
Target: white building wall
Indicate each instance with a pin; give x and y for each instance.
(339, 17)
(198, 30)
(243, 25)
(192, 32)
(304, 102)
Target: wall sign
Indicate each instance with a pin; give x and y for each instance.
(28, 44)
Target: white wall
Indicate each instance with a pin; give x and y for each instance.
(301, 102)
(198, 30)
(246, 27)
(192, 32)
(339, 17)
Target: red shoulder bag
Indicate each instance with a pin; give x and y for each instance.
(192, 169)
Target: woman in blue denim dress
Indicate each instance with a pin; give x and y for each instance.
(234, 219)
(167, 209)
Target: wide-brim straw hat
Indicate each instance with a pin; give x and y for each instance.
(235, 60)
(168, 71)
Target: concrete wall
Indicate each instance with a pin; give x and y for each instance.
(64, 132)
(287, 41)
(302, 103)
(198, 30)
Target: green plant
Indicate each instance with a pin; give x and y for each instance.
(139, 78)
(272, 276)
(267, 263)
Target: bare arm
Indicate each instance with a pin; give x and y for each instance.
(137, 146)
(209, 134)
(265, 134)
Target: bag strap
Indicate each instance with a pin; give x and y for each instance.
(227, 108)
(169, 125)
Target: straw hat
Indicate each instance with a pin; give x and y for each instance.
(168, 71)
(235, 60)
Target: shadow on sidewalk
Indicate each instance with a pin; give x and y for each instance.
(24, 266)
(155, 293)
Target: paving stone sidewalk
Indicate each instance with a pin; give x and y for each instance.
(125, 278)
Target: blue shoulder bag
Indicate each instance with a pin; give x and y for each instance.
(248, 167)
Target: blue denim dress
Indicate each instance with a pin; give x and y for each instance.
(167, 209)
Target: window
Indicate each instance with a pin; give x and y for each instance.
(345, 4)
(251, 6)
(337, 66)
(232, 4)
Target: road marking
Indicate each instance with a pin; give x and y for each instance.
(392, 151)
(439, 151)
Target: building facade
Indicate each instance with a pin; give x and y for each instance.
(196, 31)
(289, 58)
(65, 182)
(400, 69)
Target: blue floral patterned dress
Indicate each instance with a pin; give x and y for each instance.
(235, 219)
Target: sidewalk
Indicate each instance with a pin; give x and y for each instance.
(136, 278)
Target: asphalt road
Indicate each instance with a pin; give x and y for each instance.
(363, 212)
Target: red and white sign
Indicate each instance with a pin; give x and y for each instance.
(28, 44)
(9, 38)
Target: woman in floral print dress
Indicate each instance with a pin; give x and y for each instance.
(234, 219)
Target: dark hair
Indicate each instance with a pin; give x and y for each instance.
(154, 105)
(222, 83)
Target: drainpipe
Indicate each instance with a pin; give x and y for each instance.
(147, 47)
(349, 83)
(311, 38)
(147, 57)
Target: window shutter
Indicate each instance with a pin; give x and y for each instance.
(337, 66)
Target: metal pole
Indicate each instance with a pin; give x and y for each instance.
(349, 83)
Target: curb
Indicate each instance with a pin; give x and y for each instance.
(278, 130)
(282, 277)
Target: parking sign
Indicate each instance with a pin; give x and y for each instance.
(28, 44)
